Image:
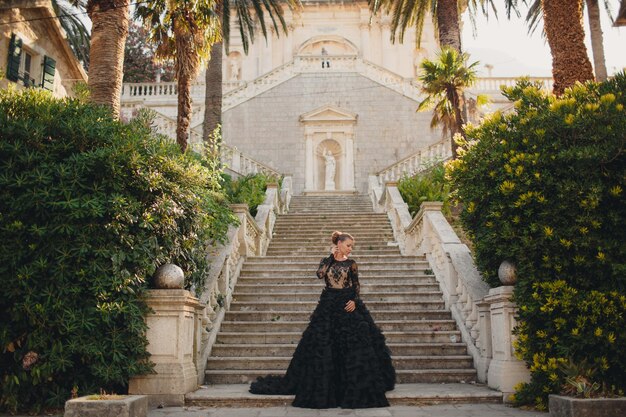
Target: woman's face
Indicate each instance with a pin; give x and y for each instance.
(345, 247)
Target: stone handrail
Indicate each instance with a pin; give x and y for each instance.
(409, 166)
(242, 164)
(486, 84)
(250, 238)
(485, 317)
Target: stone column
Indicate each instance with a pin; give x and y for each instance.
(505, 370)
(309, 179)
(349, 163)
(171, 341)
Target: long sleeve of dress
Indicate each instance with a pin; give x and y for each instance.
(324, 265)
(354, 277)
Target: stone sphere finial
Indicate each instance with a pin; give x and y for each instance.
(169, 276)
(507, 273)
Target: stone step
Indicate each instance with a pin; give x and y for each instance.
(309, 238)
(402, 376)
(363, 266)
(365, 259)
(413, 297)
(237, 395)
(426, 336)
(322, 252)
(312, 279)
(287, 349)
(371, 273)
(310, 305)
(327, 229)
(399, 362)
(244, 287)
(289, 316)
(299, 326)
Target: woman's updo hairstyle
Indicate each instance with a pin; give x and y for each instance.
(338, 236)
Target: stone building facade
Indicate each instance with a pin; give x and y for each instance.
(34, 51)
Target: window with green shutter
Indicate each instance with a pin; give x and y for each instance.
(15, 56)
(49, 68)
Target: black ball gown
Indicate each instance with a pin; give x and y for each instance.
(342, 359)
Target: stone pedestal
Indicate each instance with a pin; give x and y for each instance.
(172, 346)
(505, 370)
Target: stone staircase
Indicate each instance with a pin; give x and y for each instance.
(276, 294)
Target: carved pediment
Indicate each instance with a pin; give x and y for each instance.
(328, 113)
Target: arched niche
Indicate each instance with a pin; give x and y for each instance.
(329, 128)
(328, 45)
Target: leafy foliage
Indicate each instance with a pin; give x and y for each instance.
(89, 207)
(140, 65)
(430, 185)
(544, 188)
(249, 189)
(78, 36)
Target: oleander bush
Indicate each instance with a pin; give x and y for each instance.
(430, 185)
(89, 207)
(543, 187)
(249, 189)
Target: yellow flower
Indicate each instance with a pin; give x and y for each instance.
(619, 107)
(601, 256)
(598, 332)
(548, 231)
(607, 98)
(565, 243)
(506, 187)
(611, 337)
(584, 230)
(615, 191)
(575, 332)
(569, 119)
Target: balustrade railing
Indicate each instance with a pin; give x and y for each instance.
(409, 166)
(485, 317)
(250, 238)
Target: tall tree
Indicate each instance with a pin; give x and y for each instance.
(566, 36)
(183, 31)
(443, 81)
(109, 29)
(247, 14)
(535, 15)
(140, 65)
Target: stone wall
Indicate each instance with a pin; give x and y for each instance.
(387, 129)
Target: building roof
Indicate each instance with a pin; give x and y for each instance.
(49, 18)
(620, 20)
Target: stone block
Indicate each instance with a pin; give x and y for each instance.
(562, 406)
(124, 406)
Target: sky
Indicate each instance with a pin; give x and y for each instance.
(507, 46)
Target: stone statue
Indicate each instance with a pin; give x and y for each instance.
(331, 165)
(234, 69)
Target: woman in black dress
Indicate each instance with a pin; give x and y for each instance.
(342, 359)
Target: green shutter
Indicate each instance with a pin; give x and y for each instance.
(15, 53)
(49, 68)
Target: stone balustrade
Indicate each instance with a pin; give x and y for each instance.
(409, 166)
(242, 164)
(485, 317)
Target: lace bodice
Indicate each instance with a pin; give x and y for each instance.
(339, 274)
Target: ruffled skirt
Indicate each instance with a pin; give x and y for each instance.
(341, 361)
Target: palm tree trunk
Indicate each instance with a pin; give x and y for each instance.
(455, 99)
(448, 24)
(597, 42)
(187, 64)
(566, 37)
(213, 95)
(109, 19)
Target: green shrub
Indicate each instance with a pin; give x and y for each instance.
(430, 185)
(249, 189)
(543, 187)
(89, 207)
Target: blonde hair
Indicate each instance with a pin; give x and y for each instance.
(338, 236)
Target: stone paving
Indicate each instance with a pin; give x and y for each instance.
(444, 410)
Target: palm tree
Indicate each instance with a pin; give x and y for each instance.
(566, 37)
(109, 19)
(246, 21)
(77, 34)
(535, 15)
(183, 31)
(443, 81)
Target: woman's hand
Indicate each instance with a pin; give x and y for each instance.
(350, 306)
